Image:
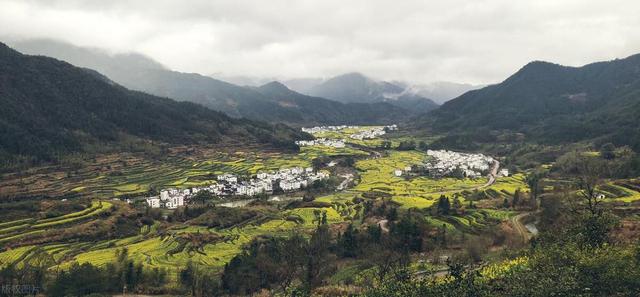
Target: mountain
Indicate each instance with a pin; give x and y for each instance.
(317, 110)
(440, 91)
(554, 103)
(357, 88)
(50, 107)
(144, 74)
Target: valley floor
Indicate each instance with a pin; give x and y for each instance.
(68, 237)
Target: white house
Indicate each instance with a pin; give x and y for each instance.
(153, 202)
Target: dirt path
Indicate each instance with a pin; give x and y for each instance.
(384, 225)
(492, 175)
(343, 185)
(516, 221)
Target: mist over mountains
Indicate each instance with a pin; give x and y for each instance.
(438, 92)
(141, 73)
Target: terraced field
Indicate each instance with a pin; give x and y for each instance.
(345, 134)
(118, 175)
(171, 250)
(622, 190)
(214, 247)
(21, 228)
(472, 221)
(377, 176)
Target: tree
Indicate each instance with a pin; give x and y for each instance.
(505, 203)
(348, 243)
(457, 205)
(444, 206)
(407, 145)
(319, 162)
(589, 177)
(607, 151)
(516, 198)
(407, 233)
(348, 162)
(422, 145)
(534, 180)
(319, 260)
(203, 196)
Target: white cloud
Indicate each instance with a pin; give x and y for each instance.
(479, 41)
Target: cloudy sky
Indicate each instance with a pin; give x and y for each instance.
(474, 41)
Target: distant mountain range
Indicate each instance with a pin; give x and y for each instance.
(51, 108)
(554, 103)
(357, 88)
(141, 73)
(439, 92)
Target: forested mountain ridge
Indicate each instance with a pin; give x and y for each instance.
(141, 73)
(554, 103)
(52, 108)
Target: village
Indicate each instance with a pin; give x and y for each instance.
(448, 163)
(364, 132)
(337, 143)
(286, 180)
(373, 132)
(444, 163)
(322, 129)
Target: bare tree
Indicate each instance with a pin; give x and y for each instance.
(588, 178)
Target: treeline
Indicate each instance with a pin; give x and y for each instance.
(298, 266)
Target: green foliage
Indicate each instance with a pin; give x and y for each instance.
(82, 108)
(444, 205)
(548, 103)
(407, 145)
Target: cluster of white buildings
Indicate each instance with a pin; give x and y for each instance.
(337, 143)
(171, 198)
(445, 162)
(373, 132)
(289, 179)
(400, 172)
(320, 129)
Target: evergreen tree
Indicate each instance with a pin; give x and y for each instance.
(444, 205)
(348, 242)
(516, 198)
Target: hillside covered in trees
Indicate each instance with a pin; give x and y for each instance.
(51, 108)
(553, 103)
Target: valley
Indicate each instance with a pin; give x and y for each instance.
(367, 178)
(162, 244)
